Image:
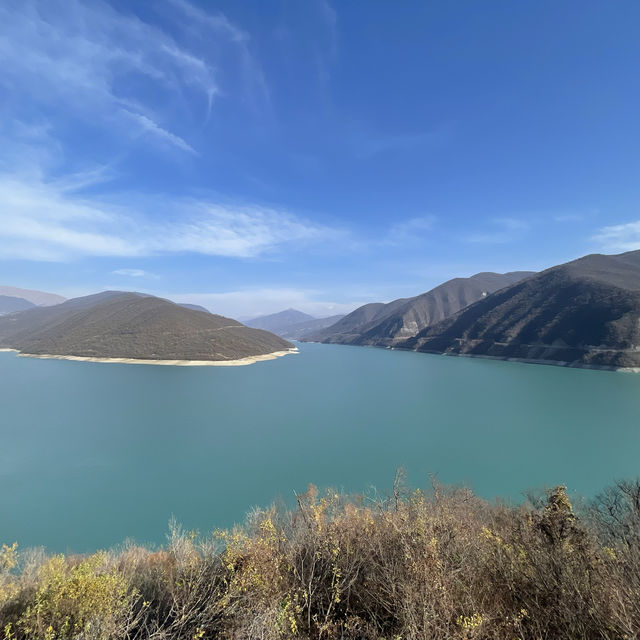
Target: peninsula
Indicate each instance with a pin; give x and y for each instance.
(134, 328)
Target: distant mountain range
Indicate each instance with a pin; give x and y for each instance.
(116, 324)
(387, 325)
(292, 324)
(275, 322)
(582, 313)
(585, 313)
(38, 298)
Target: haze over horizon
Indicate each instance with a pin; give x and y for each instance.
(252, 157)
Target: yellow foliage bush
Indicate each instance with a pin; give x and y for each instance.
(87, 597)
(436, 565)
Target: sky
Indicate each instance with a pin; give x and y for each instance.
(259, 155)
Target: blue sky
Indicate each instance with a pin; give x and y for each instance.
(252, 156)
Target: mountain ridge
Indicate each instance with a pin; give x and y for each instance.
(300, 330)
(291, 323)
(583, 313)
(380, 324)
(39, 298)
(277, 321)
(11, 304)
(125, 325)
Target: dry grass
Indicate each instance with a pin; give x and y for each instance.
(441, 564)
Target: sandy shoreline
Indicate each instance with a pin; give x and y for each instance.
(278, 354)
(173, 363)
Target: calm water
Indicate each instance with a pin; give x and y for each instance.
(91, 454)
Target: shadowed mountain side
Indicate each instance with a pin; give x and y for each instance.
(10, 304)
(583, 313)
(128, 325)
(390, 324)
(348, 328)
(303, 329)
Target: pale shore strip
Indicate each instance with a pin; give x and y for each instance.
(553, 363)
(173, 363)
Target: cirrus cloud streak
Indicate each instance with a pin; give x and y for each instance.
(619, 237)
(48, 221)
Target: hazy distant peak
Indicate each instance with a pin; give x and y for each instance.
(277, 322)
(39, 298)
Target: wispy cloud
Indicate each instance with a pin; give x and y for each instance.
(411, 230)
(49, 220)
(113, 70)
(568, 217)
(512, 224)
(205, 27)
(154, 128)
(216, 22)
(619, 237)
(132, 273)
(502, 231)
(330, 17)
(366, 144)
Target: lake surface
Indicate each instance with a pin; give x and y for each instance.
(92, 453)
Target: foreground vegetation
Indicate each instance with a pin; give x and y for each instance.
(436, 564)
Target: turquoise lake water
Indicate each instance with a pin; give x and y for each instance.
(92, 453)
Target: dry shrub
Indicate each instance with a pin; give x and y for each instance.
(73, 598)
(442, 564)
